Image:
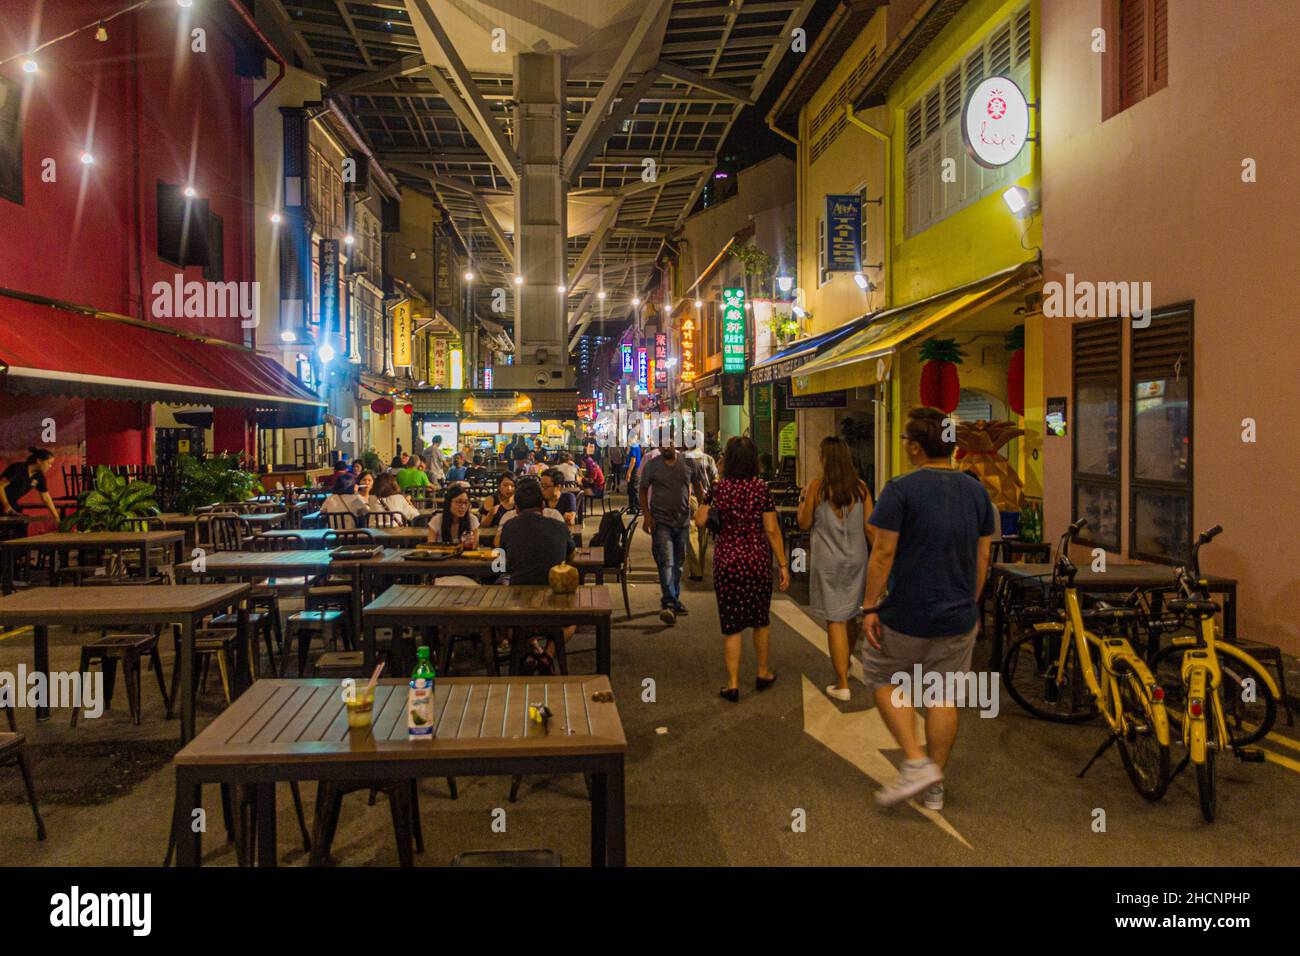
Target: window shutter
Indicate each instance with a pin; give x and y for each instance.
(1164, 348)
(215, 268)
(11, 140)
(1133, 52)
(914, 127)
(1159, 45)
(1000, 52)
(1097, 350)
(1023, 40)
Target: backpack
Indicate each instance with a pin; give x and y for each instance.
(610, 537)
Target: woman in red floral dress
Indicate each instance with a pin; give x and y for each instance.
(742, 559)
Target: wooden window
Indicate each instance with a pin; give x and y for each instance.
(1160, 444)
(1141, 50)
(11, 140)
(214, 270)
(1096, 430)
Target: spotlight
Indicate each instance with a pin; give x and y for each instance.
(519, 280)
(87, 159)
(288, 335)
(785, 283)
(326, 353)
(29, 66)
(861, 280)
(189, 192)
(1017, 199)
(799, 312)
(275, 218)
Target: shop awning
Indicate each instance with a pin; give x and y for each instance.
(866, 356)
(52, 351)
(783, 363)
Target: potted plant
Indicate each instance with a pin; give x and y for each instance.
(112, 505)
(206, 481)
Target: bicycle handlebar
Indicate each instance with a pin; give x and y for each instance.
(1205, 537)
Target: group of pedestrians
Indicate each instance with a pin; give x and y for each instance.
(899, 577)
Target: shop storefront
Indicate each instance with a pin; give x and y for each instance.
(485, 421)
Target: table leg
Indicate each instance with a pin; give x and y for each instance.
(41, 651)
(10, 557)
(602, 647)
(187, 837)
(608, 830)
(247, 645)
(266, 845)
(187, 679)
(144, 561)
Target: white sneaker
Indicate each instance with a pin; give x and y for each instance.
(913, 777)
(839, 693)
(933, 797)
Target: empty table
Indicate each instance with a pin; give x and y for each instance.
(59, 543)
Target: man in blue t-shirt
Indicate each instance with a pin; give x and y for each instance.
(933, 529)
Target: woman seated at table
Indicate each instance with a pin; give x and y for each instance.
(22, 476)
(365, 483)
(345, 500)
(498, 506)
(386, 496)
(456, 524)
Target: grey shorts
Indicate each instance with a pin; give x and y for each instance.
(901, 653)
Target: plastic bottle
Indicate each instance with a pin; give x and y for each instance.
(419, 700)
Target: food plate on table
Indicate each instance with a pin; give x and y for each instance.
(483, 554)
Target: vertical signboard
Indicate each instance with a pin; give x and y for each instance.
(733, 330)
(642, 370)
(628, 368)
(844, 233)
(661, 360)
(487, 377)
(402, 334)
(444, 263)
(329, 286)
(439, 374)
(456, 362)
(688, 349)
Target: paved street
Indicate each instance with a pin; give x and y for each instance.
(709, 782)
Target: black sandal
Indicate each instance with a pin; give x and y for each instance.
(730, 693)
(763, 683)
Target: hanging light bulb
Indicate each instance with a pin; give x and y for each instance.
(102, 33)
(699, 303)
(349, 239)
(412, 255)
(469, 275)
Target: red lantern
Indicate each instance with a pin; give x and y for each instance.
(407, 409)
(381, 406)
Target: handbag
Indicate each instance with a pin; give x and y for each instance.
(713, 523)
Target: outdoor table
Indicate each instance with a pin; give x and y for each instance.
(487, 536)
(61, 542)
(127, 605)
(13, 526)
(1116, 579)
(403, 537)
(261, 521)
(297, 730)
(417, 606)
(1006, 550)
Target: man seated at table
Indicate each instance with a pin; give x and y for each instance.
(565, 502)
(412, 476)
(535, 543)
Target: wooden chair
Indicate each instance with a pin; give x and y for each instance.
(219, 531)
(13, 751)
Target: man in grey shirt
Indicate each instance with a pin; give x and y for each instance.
(667, 482)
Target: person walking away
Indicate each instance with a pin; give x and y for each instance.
(665, 489)
(706, 472)
(836, 507)
(22, 476)
(633, 465)
(933, 529)
(747, 538)
(617, 458)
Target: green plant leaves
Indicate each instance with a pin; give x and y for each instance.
(941, 350)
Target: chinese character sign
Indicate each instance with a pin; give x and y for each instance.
(733, 330)
(440, 373)
(487, 377)
(661, 360)
(627, 360)
(402, 334)
(844, 233)
(688, 350)
(329, 285)
(642, 370)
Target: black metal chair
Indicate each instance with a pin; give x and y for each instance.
(13, 751)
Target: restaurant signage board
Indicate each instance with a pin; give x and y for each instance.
(329, 285)
(733, 330)
(628, 368)
(661, 360)
(688, 350)
(995, 122)
(402, 333)
(733, 388)
(487, 377)
(837, 399)
(456, 360)
(642, 370)
(444, 259)
(439, 365)
(844, 233)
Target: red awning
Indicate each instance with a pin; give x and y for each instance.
(51, 351)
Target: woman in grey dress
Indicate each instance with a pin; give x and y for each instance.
(836, 507)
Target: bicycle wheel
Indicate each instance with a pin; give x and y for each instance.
(1248, 719)
(1146, 759)
(1029, 673)
(1205, 771)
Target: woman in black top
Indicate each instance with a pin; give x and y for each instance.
(495, 508)
(21, 477)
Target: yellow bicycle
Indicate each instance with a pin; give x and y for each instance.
(1060, 671)
(1195, 670)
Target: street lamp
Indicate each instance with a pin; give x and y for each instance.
(326, 353)
(469, 275)
(288, 335)
(785, 283)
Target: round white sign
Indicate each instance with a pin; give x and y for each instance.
(995, 123)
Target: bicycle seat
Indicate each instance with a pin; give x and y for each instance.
(1189, 606)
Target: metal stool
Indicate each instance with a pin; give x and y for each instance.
(130, 649)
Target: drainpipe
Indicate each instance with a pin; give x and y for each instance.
(771, 124)
(247, 17)
(887, 194)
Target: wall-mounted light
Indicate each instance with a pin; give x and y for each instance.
(519, 280)
(785, 283)
(699, 303)
(469, 275)
(326, 353)
(189, 192)
(87, 159)
(1017, 200)
(288, 335)
(275, 218)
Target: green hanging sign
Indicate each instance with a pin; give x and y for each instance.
(733, 330)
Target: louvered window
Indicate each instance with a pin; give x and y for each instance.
(934, 189)
(11, 140)
(1142, 49)
(831, 116)
(1160, 473)
(1096, 430)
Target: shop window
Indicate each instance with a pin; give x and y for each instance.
(932, 129)
(11, 140)
(182, 228)
(214, 270)
(1096, 433)
(1139, 57)
(1160, 483)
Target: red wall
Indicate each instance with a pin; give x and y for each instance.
(148, 109)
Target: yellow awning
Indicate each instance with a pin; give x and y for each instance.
(866, 357)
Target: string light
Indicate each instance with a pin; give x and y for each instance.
(101, 34)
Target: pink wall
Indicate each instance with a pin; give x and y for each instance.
(148, 109)
(1156, 194)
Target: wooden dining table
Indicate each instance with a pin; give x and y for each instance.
(297, 730)
(401, 537)
(60, 543)
(127, 605)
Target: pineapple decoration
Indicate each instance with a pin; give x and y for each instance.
(977, 450)
(940, 387)
(1016, 370)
